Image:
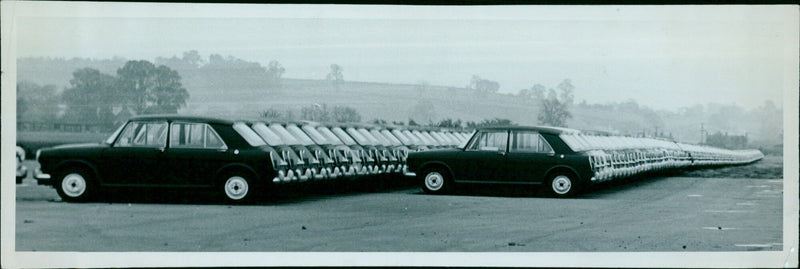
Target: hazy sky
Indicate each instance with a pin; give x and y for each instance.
(662, 57)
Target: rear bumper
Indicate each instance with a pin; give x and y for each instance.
(408, 173)
(22, 171)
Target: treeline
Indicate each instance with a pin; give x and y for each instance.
(137, 87)
(347, 114)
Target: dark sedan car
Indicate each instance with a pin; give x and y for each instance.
(163, 151)
(505, 155)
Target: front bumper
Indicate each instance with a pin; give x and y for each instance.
(41, 178)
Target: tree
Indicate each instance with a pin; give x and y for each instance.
(91, 97)
(135, 80)
(315, 112)
(35, 102)
(536, 92)
(193, 58)
(489, 122)
(483, 86)
(271, 114)
(274, 72)
(449, 123)
(149, 89)
(345, 114)
(335, 76)
(566, 94)
(167, 94)
(553, 112)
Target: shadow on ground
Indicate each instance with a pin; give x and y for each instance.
(290, 193)
(595, 191)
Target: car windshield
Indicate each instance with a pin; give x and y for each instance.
(402, 137)
(267, 134)
(285, 135)
(442, 139)
(464, 142)
(315, 135)
(343, 136)
(388, 135)
(251, 137)
(385, 139)
(358, 137)
(371, 138)
(424, 138)
(300, 134)
(330, 136)
(414, 139)
(110, 139)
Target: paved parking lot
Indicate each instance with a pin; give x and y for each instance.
(657, 214)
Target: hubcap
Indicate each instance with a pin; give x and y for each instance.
(236, 188)
(562, 184)
(434, 181)
(73, 185)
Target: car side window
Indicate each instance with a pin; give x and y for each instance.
(490, 141)
(194, 135)
(530, 142)
(143, 134)
(213, 140)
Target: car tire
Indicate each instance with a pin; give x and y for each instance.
(562, 185)
(436, 181)
(237, 188)
(75, 185)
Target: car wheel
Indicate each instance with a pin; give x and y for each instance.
(436, 181)
(562, 185)
(75, 185)
(237, 188)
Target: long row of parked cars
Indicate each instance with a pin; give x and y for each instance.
(564, 160)
(616, 156)
(240, 159)
(313, 151)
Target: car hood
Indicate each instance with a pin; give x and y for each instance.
(80, 146)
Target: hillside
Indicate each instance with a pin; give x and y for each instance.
(231, 87)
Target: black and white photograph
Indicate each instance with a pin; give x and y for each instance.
(209, 134)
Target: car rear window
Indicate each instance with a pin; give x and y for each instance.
(330, 136)
(300, 134)
(248, 134)
(315, 135)
(267, 134)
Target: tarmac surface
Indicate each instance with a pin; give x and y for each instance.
(653, 214)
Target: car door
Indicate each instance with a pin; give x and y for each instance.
(483, 159)
(529, 157)
(136, 157)
(194, 155)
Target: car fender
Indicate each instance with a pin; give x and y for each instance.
(435, 163)
(77, 162)
(230, 166)
(561, 166)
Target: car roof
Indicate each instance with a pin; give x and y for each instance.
(173, 117)
(539, 129)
